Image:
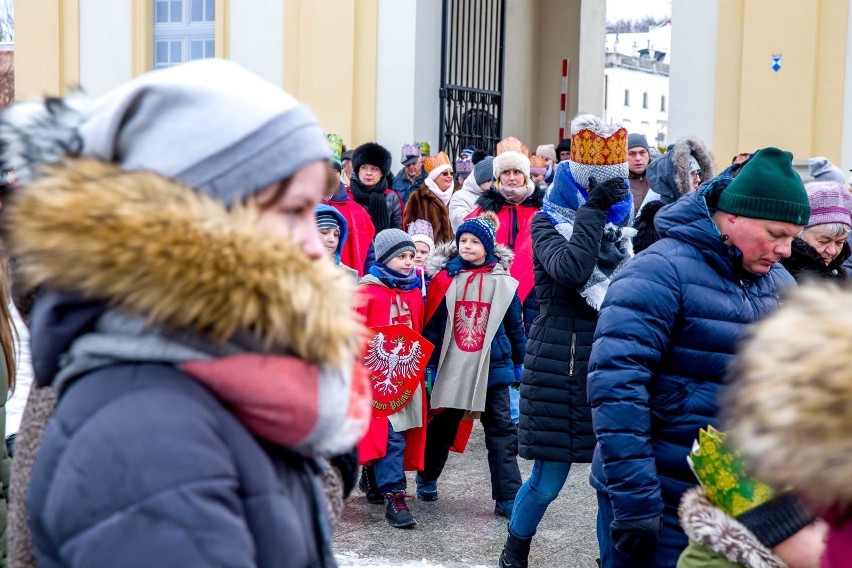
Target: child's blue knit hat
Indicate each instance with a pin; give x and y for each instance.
(483, 229)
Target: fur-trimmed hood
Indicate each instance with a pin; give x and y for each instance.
(492, 200)
(669, 176)
(789, 403)
(149, 246)
(711, 528)
(443, 252)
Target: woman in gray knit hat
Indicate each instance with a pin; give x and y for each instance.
(196, 336)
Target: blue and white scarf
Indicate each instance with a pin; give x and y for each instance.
(564, 197)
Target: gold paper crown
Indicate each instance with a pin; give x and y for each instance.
(720, 471)
(512, 144)
(591, 149)
(335, 143)
(537, 161)
(432, 162)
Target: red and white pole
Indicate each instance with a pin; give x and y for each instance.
(563, 101)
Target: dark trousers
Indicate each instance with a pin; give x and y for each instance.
(390, 469)
(672, 540)
(501, 440)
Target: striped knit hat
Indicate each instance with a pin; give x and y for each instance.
(392, 242)
(830, 203)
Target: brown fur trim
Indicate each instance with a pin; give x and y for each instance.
(683, 148)
(789, 406)
(710, 527)
(158, 249)
(423, 204)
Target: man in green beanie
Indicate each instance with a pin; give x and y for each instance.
(666, 335)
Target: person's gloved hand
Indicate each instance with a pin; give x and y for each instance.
(519, 369)
(604, 195)
(638, 537)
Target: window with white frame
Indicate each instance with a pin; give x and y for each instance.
(183, 30)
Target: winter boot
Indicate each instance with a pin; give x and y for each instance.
(367, 484)
(427, 490)
(504, 508)
(515, 552)
(396, 510)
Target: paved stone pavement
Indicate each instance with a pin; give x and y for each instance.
(460, 529)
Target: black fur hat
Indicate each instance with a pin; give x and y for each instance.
(373, 154)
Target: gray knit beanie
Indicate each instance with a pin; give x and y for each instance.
(209, 124)
(391, 242)
(483, 171)
(821, 169)
(636, 140)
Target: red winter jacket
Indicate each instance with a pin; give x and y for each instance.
(361, 230)
(514, 232)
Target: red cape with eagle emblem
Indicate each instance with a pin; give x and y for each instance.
(374, 304)
(396, 358)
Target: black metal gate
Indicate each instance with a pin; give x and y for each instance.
(472, 74)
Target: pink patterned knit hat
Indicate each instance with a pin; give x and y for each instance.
(830, 202)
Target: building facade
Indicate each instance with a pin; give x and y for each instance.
(636, 82)
(370, 69)
(752, 73)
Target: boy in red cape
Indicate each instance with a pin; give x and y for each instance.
(390, 294)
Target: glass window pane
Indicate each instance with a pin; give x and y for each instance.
(161, 12)
(176, 9)
(211, 10)
(209, 48)
(161, 52)
(176, 56)
(197, 10)
(196, 49)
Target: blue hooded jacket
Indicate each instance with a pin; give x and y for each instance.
(667, 333)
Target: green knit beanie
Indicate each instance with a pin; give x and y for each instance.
(768, 188)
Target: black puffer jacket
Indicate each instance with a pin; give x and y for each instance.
(556, 421)
(804, 262)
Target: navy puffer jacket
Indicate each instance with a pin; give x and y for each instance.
(666, 335)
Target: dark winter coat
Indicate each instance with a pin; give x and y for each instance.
(556, 421)
(804, 262)
(141, 462)
(666, 335)
(393, 203)
(424, 204)
(405, 188)
(669, 177)
(509, 343)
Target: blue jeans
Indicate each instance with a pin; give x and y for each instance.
(672, 541)
(514, 404)
(539, 491)
(389, 470)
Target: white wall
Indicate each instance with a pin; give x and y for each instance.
(257, 37)
(427, 78)
(408, 74)
(105, 45)
(592, 57)
(692, 78)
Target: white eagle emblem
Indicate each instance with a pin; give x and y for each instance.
(389, 365)
(470, 324)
